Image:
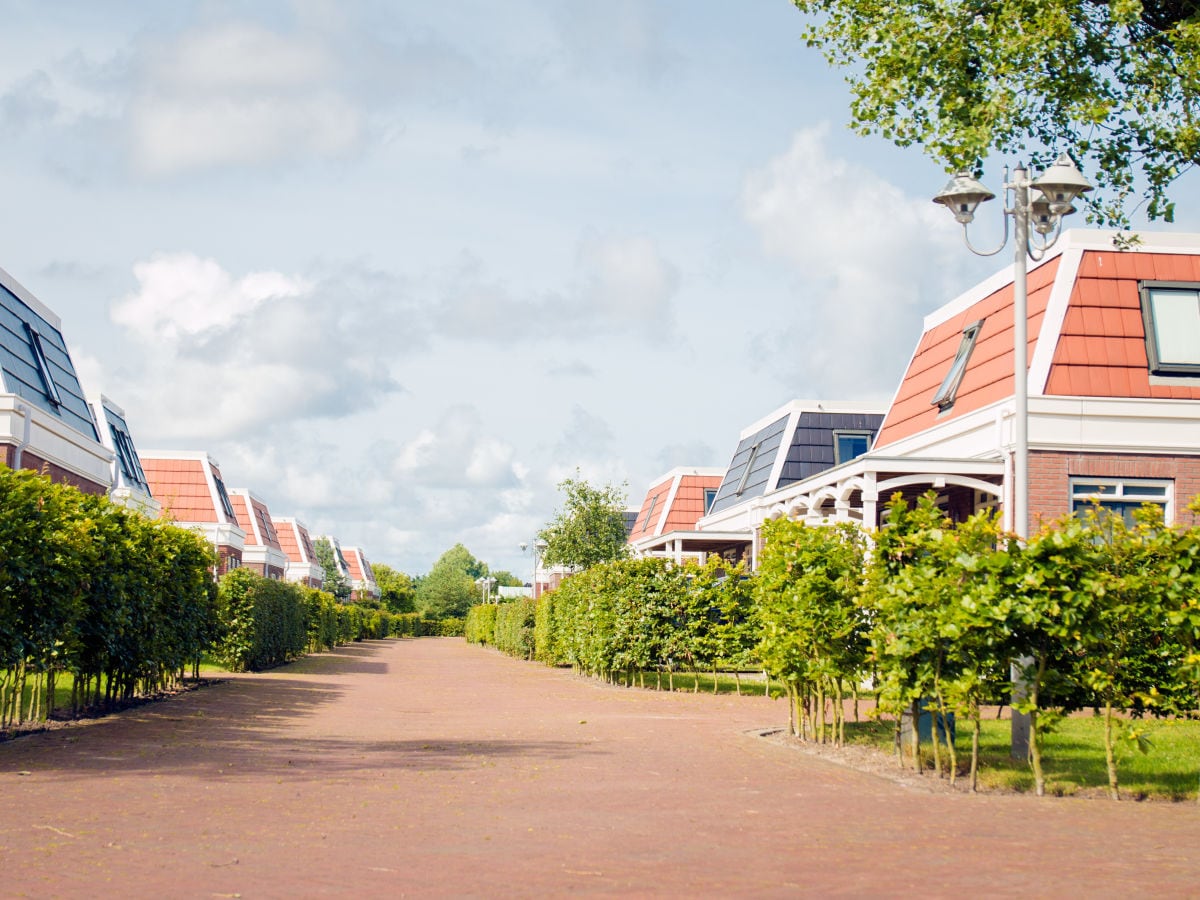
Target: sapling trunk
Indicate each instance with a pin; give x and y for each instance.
(791, 710)
(975, 728)
(695, 681)
(1035, 744)
(820, 700)
(714, 678)
(914, 736)
(839, 715)
(671, 680)
(737, 681)
(943, 720)
(1109, 757)
(935, 740)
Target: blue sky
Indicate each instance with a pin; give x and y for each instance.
(401, 268)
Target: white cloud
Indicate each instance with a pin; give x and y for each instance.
(619, 285)
(870, 261)
(240, 94)
(182, 295)
(220, 355)
(458, 453)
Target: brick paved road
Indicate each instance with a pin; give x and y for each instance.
(432, 768)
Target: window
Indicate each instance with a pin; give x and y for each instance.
(1119, 497)
(225, 504)
(848, 445)
(43, 365)
(710, 494)
(746, 472)
(944, 398)
(1171, 314)
(649, 512)
(127, 457)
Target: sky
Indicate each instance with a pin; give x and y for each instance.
(401, 268)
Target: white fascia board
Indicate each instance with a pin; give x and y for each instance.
(1052, 321)
(55, 441)
(795, 407)
(1114, 425)
(680, 471)
(221, 534)
(297, 571)
(136, 500)
(264, 555)
(22, 294)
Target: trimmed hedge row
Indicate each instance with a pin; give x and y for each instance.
(96, 592)
(628, 616)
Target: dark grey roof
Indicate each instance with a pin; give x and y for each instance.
(810, 449)
(36, 365)
(128, 467)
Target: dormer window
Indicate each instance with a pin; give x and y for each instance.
(746, 473)
(649, 512)
(848, 445)
(224, 496)
(43, 365)
(944, 398)
(1171, 314)
(710, 495)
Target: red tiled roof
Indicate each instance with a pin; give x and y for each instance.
(180, 485)
(686, 507)
(294, 540)
(1101, 349)
(254, 518)
(356, 561)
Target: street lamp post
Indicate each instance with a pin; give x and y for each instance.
(1058, 187)
(539, 546)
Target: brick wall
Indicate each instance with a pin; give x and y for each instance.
(57, 474)
(1049, 472)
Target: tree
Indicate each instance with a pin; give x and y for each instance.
(1115, 81)
(590, 527)
(397, 592)
(449, 589)
(504, 578)
(334, 582)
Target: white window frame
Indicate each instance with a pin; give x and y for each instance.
(849, 432)
(1124, 491)
(1147, 290)
(944, 398)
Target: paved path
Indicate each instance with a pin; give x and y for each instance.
(433, 768)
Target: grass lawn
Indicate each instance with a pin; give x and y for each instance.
(1073, 757)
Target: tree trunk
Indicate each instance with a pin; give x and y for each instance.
(737, 681)
(839, 715)
(975, 728)
(914, 737)
(714, 678)
(1110, 760)
(1035, 744)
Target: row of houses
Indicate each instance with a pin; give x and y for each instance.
(1113, 412)
(49, 424)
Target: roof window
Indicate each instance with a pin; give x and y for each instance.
(43, 365)
(746, 472)
(649, 512)
(1171, 314)
(944, 398)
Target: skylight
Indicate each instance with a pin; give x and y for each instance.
(944, 398)
(43, 365)
(746, 472)
(1171, 314)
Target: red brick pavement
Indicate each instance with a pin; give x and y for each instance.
(433, 768)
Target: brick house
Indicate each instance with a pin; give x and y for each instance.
(45, 422)
(1113, 384)
(362, 580)
(130, 487)
(296, 543)
(673, 504)
(189, 486)
(262, 551)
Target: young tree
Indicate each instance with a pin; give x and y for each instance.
(397, 592)
(449, 589)
(334, 582)
(590, 527)
(1115, 81)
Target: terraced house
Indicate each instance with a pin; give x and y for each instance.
(45, 422)
(1114, 405)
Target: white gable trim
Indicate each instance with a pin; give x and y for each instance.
(1052, 321)
(671, 494)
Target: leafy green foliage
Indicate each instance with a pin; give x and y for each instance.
(449, 589)
(1116, 81)
(397, 591)
(589, 529)
(333, 580)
